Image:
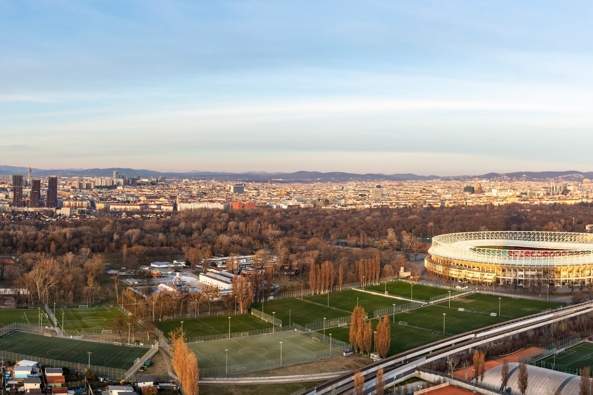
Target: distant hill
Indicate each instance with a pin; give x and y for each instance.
(298, 176)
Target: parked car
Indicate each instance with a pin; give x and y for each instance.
(348, 352)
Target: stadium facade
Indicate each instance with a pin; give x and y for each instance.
(524, 258)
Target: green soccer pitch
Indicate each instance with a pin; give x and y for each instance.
(213, 325)
(22, 316)
(70, 350)
(93, 319)
(571, 360)
(260, 352)
(408, 290)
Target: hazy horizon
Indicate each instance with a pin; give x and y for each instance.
(425, 87)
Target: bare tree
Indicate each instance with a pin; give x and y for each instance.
(523, 378)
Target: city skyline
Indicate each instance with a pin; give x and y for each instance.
(427, 88)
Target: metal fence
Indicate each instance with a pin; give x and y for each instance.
(234, 368)
(266, 317)
(111, 373)
(232, 335)
(328, 323)
(396, 309)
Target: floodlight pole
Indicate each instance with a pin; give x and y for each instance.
(324, 318)
(281, 362)
(273, 322)
(289, 317)
(229, 326)
(499, 305)
(226, 362)
(449, 300)
(89, 364)
(411, 291)
(393, 312)
(444, 320)
(330, 343)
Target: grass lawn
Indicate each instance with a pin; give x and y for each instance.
(346, 301)
(402, 337)
(90, 319)
(405, 290)
(261, 352)
(22, 316)
(213, 325)
(425, 324)
(510, 307)
(571, 360)
(69, 350)
(300, 312)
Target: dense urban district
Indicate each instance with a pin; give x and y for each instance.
(131, 285)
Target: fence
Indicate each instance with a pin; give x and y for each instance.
(232, 335)
(239, 367)
(328, 323)
(266, 317)
(111, 373)
(395, 309)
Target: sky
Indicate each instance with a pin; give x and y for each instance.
(429, 87)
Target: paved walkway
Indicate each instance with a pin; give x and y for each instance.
(297, 378)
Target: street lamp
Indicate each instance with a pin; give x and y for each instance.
(330, 343)
(324, 318)
(499, 305)
(393, 312)
(229, 326)
(226, 362)
(444, 320)
(449, 299)
(281, 362)
(89, 364)
(385, 288)
(181, 326)
(273, 322)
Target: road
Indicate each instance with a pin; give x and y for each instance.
(404, 364)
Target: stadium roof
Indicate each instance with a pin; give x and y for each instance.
(540, 381)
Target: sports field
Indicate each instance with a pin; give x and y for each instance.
(22, 316)
(302, 312)
(425, 324)
(69, 350)
(407, 290)
(91, 319)
(213, 325)
(571, 360)
(348, 299)
(260, 352)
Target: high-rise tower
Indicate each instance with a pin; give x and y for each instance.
(52, 192)
(35, 200)
(17, 190)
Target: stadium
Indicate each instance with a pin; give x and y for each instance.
(522, 259)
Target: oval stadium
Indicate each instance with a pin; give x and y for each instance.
(523, 259)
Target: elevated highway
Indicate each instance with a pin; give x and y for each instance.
(404, 364)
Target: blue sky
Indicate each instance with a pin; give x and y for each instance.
(431, 87)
